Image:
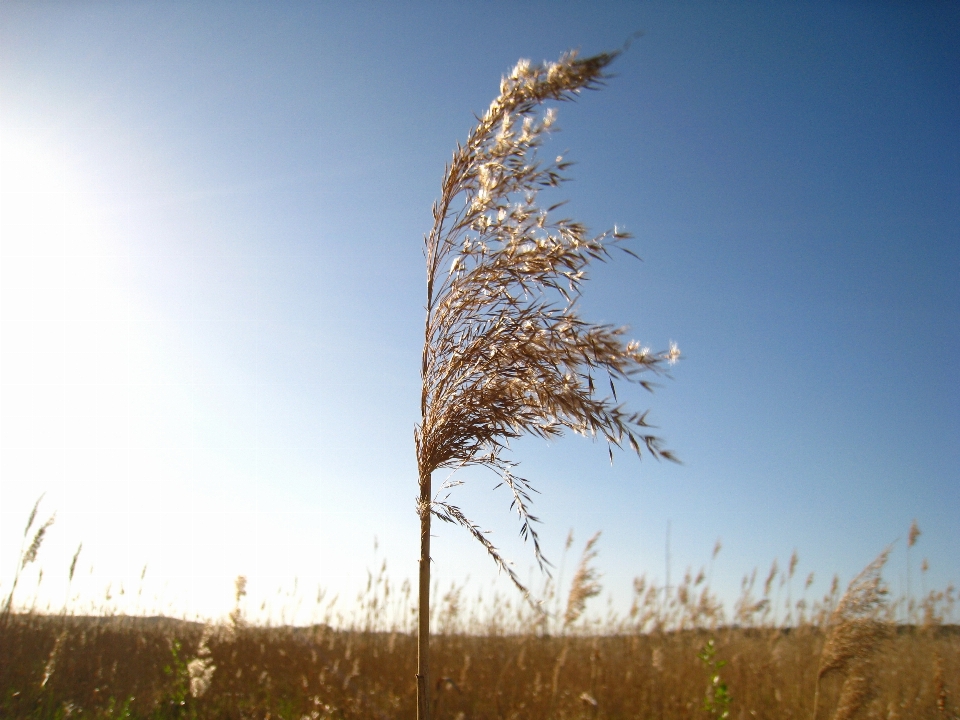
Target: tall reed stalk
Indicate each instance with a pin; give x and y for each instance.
(505, 350)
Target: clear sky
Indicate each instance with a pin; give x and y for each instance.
(211, 221)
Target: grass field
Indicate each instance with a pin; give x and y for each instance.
(673, 655)
(135, 667)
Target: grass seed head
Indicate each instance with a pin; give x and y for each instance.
(31, 554)
(506, 352)
(585, 583)
(914, 534)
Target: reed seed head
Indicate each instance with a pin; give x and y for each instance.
(506, 352)
(856, 627)
(914, 534)
(585, 583)
(31, 554)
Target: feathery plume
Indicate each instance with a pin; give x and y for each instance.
(853, 696)
(33, 515)
(31, 554)
(73, 562)
(26, 557)
(854, 632)
(914, 534)
(505, 351)
(585, 583)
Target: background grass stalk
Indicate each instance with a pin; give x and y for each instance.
(855, 630)
(27, 555)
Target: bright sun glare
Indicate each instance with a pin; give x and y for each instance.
(68, 364)
(94, 413)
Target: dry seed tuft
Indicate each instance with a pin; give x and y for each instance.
(855, 631)
(585, 583)
(506, 352)
(73, 562)
(856, 628)
(856, 691)
(31, 554)
(26, 557)
(914, 534)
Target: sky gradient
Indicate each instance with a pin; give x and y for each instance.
(212, 287)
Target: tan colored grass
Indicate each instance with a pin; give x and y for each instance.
(585, 583)
(855, 631)
(857, 690)
(494, 660)
(28, 555)
(288, 672)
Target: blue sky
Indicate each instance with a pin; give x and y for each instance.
(212, 286)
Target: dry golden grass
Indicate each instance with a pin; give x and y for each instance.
(294, 672)
(497, 658)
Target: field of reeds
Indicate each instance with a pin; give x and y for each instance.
(676, 653)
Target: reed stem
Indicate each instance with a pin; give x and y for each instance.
(423, 626)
